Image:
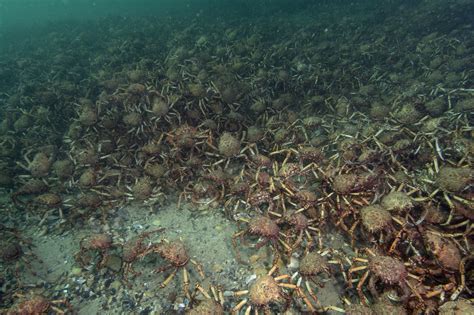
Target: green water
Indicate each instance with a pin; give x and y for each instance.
(337, 127)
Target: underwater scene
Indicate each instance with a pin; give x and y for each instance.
(236, 157)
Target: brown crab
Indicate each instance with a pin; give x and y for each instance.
(261, 197)
(267, 291)
(48, 202)
(388, 270)
(15, 252)
(297, 226)
(94, 244)
(32, 304)
(262, 227)
(311, 266)
(175, 255)
(213, 304)
(39, 166)
(134, 249)
(31, 187)
(202, 192)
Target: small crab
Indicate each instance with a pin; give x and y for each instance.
(48, 202)
(91, 246)
(175, 255)
(202, 192)
(134, 249)
(210, 305)
(388, 270)
(298, 226)
(39, 166)
(256, 199)
(312, 265)
(262, 227)
(31, 187)
(33, 303)
(377, 226)
(267, 291)
(15, 252)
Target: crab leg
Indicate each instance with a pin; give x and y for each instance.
(359, 287)
(237, 308)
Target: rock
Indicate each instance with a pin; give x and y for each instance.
(116, 285)
(76, 271)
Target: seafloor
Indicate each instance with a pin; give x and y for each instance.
(318, 161)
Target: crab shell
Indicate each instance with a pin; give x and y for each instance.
(388, 269)
(265, 227)
(260, 198)
(10, 251)
(445, 251)
(99, 241)
(33, 186)
(265, 291)
(375, 218)
(207, 307)
(313, 264)
(49, 200)
(298, 220)
(306, 198)
(174, 252)
(36, 305)
(133, 248)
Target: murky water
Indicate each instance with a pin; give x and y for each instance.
(209, 157)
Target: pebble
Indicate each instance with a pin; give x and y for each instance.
(294, 263)
(76, 271)
(115, 285)
(106, 227)
(250, 278)
(146, 311)
(80, 280)
(217, 268)
(89, 282)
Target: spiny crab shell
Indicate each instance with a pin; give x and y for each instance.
(265, 291)
(351, 183)
(375, 218)
(37, 304)
(397, 201)
(313, 264)
(207, 307)
(49, 200)
(174, 252)
(98, 241)
(40, 165)
(388, 269)
(306, 198)
(229, 145)
(33, 186)
(265, 227)
(298, 220)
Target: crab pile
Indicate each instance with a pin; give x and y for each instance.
(269, 125)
